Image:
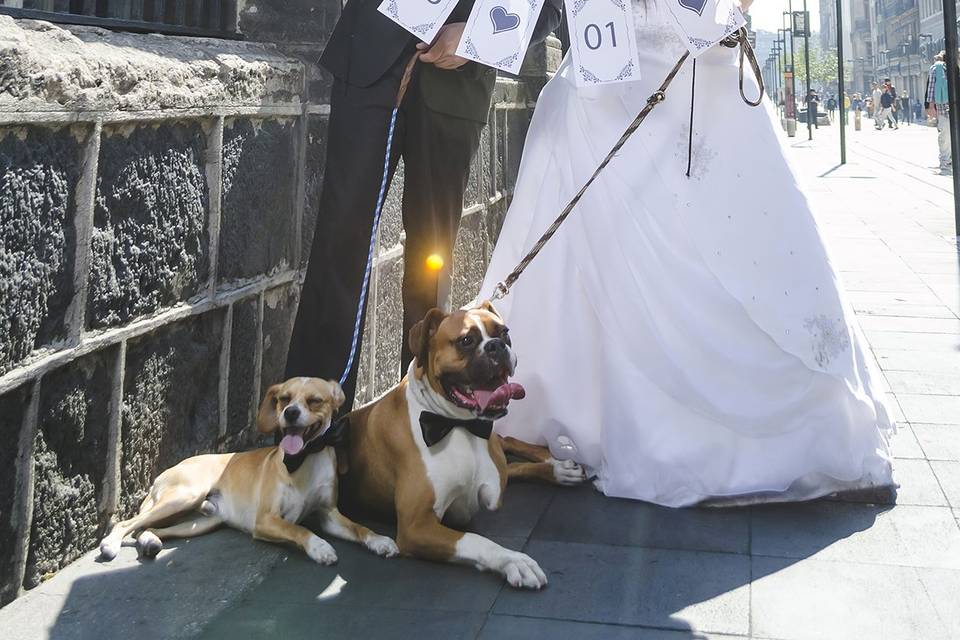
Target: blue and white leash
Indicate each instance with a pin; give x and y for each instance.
(404, 81)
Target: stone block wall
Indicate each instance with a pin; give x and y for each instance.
(157, 202)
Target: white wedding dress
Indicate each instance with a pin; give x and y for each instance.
(688, 335)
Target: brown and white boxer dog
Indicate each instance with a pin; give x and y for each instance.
(425, 452)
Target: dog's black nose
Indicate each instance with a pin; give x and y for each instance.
(291, 413)
(495, 347)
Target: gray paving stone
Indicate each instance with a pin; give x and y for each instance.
(829, 600)
(376, 582)
(866, 298)
(910, 325)
(927, 408)
(924, 382)
(906, 341)
(189, 583)
(918, 485)
(939, 441)
(517, 628)
(942, 362)
(585, 515)
(948, 473)
(904, 535)
(523, 505)
(637, 586)
(904, 310)
(280, 621)
(904, 443)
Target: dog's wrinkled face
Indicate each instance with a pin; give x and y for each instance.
(467, 357)
(301, 408)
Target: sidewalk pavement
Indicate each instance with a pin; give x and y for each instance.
(620, 569)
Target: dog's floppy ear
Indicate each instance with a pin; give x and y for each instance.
(338, 396)
(267, 417)
(421, 333)
(486, 305)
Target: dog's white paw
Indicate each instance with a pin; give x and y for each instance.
(109, 548)
(382, 545)
(522, 571)
(149, 545)
(320, 551)
(567, 472)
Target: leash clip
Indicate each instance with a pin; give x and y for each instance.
(657, 98)
(501, 291)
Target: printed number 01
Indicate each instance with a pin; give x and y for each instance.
(597, 40)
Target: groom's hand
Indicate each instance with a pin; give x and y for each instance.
(443, 52)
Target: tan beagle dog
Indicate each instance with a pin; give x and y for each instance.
(426, 452)
(265, 492)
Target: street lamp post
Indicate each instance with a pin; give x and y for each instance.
(806, 61)
(953, 78)
(843, 124)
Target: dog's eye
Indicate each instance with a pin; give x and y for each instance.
(285, 398)
(315, 401)
(467, 342)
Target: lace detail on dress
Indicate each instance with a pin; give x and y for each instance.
(830, 338)
(703, 155)
(652, 30)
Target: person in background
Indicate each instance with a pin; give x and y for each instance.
(917, 111)
(813, 101)
(875, 104)
(938, 103)
(846, 106)
(888, 100)
(831, 107)
(905, 112)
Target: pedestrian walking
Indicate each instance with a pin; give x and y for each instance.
(938, 106)
(812, 101)
(905, 111)
(831, 107)
(875, 104)
(888, 101)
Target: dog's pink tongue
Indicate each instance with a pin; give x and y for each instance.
(291, 444)
(500, 396)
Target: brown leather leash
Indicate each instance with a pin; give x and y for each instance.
(739, 38)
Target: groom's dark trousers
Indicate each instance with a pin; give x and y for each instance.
(437, 132)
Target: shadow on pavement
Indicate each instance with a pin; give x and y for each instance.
(617, 568)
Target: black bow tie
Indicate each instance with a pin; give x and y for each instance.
(436, 427)
(336, 435)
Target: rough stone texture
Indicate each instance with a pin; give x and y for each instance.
(316, 161)
(38, 171)
(170, 406)
(480, 186)
(241, 401)
(259, 189)
(12, 406)
(150, 242)
(364, 391)
(69, 460)
(44, 67)
(389, 325)
(279, 312)
(470, 256)
(517, 123)
(391, 220)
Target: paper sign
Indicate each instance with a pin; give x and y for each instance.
(703, 23)
(603, 41)
(498, 32)
(422, 18)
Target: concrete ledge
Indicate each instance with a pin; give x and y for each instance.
(45, 67)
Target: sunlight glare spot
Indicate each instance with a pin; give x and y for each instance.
(333, 589)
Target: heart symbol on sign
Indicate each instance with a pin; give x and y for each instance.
(503, 21)
(694, 5)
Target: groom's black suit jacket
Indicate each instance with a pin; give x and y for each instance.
(365, 44)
